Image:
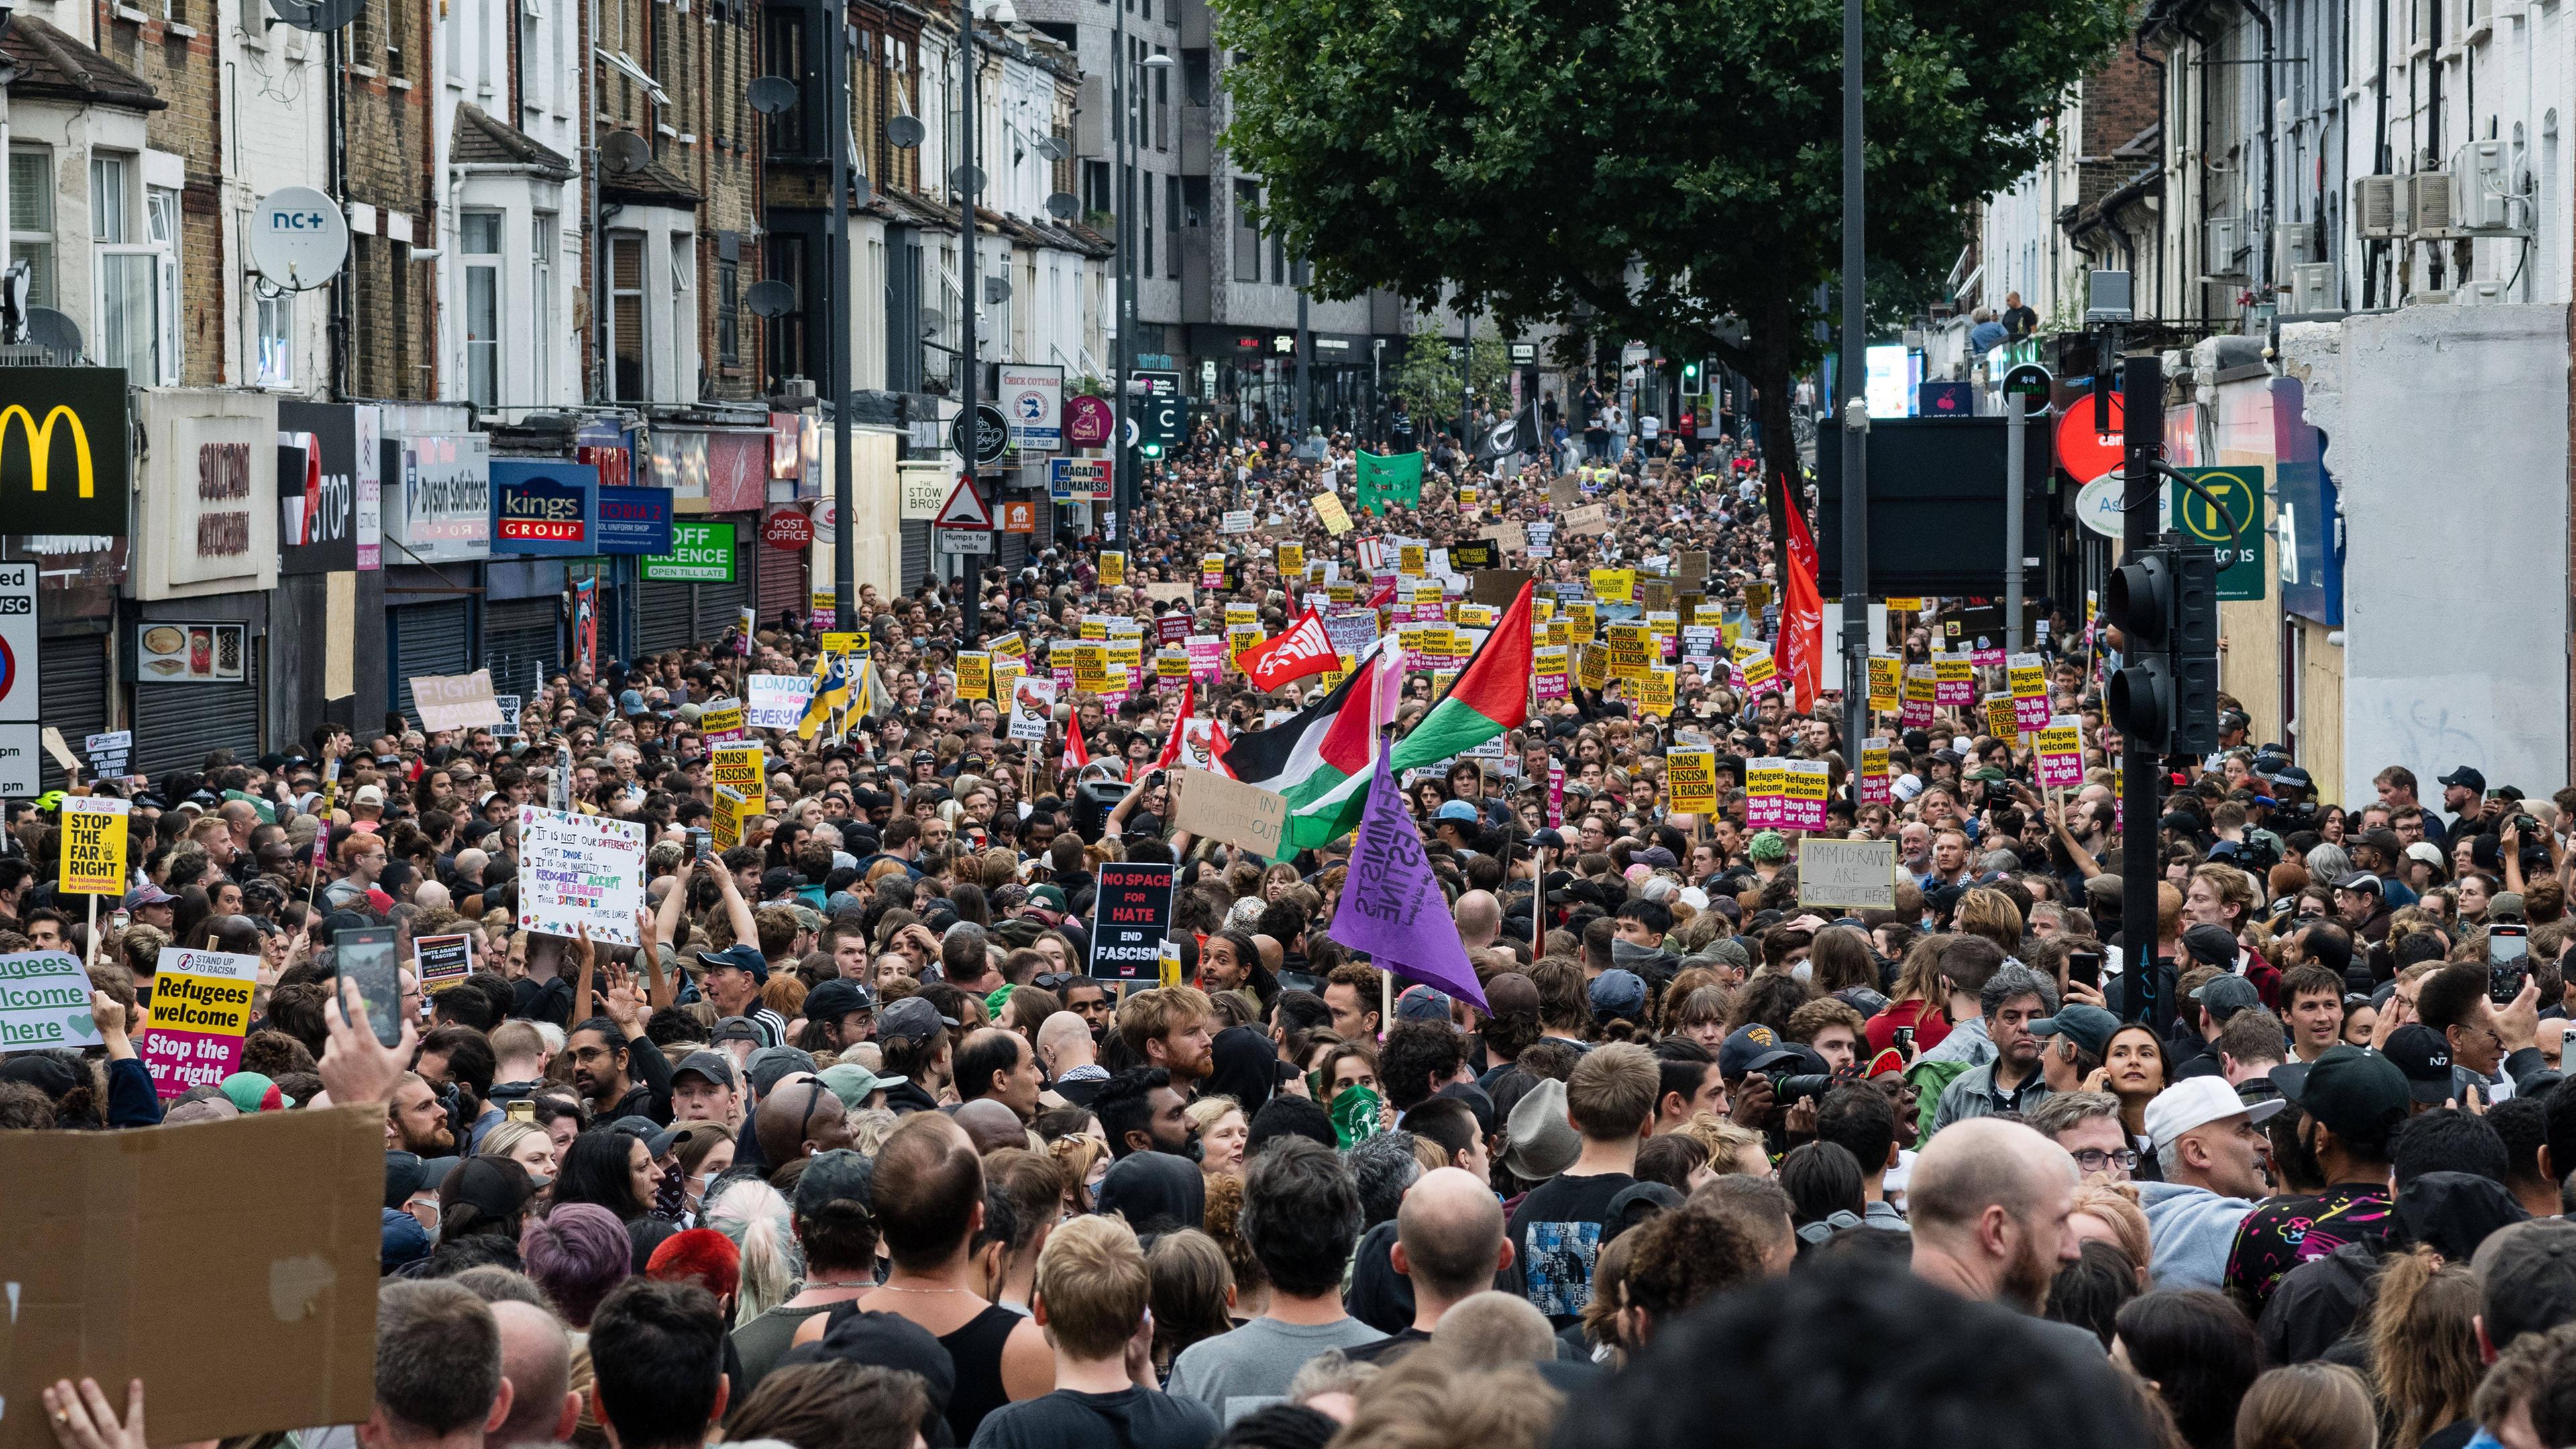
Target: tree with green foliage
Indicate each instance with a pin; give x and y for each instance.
(1667, 170)
(1427, 379)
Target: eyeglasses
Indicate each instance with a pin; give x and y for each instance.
(2093, 1159)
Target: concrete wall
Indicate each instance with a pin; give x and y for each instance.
(2451, 446)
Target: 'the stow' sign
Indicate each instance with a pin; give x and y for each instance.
(66, 460)
(1129, 920)
(545, 508)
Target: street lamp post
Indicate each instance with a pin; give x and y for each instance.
(1128, 102)
(968, 183)
(1853, 414)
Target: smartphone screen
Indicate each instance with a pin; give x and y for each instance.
(2084, 966)
(370, 979)
(702, 843)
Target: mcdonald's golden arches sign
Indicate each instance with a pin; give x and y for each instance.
(66, 458)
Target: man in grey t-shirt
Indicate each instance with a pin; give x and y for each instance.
(1301, 1218)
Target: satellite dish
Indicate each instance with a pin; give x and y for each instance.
(298, 238)
(906, 132)
(315, 15)
(54, 332)
(968, 179)
(626, 153)
(932, 320)
(772, 94)
(997, 289)
(1064, 206)
(772, 298)
(1051, 148)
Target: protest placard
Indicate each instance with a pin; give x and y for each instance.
(2061, 752)
(1129, 919)
(441, 960)
(1591, 518)
(1212, 805)
(93, 846)
(724, 822)
(776, 701)
(1920, 694)
(1113, 568)
(1858, 875)
(2002, 721)
(581, 870)
(974, 674)
(1954, 680)
(2028, 674)
(1337, 519)
(44, 1002)
(1032, 710)
(1804, 785)
(739, 768)
(721, 721)
(1874, 784)
(1693, 777)
(1885, 672)
(1179, 589)
(1765, 782)
(1292, 558)
(196, 1235)
(454, 702)
(200, 1011)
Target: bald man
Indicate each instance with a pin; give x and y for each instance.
(989, 1125)
(799, 1118)
(1449, 1242)
(1480, 919)
(1989, 1203)
(536, 1358)
(1071, 1060)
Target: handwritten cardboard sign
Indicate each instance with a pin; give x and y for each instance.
(580, 870)
(455, 701)
(1857, 874)
(1210, 804)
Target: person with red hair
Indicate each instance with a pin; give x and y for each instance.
(702, 1256)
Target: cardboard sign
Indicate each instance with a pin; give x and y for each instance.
(775, 701)
(1857, 874)
(203, 1239)
(1180, 589)
(974, 674)
(93, 848)
(739, 768)
(1564, 490)
(1209, 804)
(581, 870)
(1692, 774)
(1129, 919)
(454, 702)
(1590, 518)
(44, 1002)
(442, 960)
(1510, 535)
(1032, 709)
(1337, 519)
(200, 1012)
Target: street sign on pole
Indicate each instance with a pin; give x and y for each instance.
(2241, 574)
(991, 434)
(965, 509)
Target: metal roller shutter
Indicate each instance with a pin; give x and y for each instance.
(665, 625)
(916, 553)
(427, 639)
(720, 605)
(1010, 552)
(177, 725)
(782, 585)
(522, 642)
(71, 689)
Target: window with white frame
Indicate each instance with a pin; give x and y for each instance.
(274, 366)
(478, 237)
(128, 331)
(31, 220)
(541, 297)
(684, 314)
(161, 206)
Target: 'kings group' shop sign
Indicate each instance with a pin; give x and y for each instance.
(545, 508)
(701, 553)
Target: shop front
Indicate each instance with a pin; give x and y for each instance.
(206, 557)
(437, 534)
(1250, 379)
(314, 670)
(717, 476)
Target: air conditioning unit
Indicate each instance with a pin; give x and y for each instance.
(2222, 245)
(2431, 206)
(2107, 296)
(2483, 189)
(2291, 244)
(2427, 299)
(2378, 207)
(2480, 294)
(2312, 288)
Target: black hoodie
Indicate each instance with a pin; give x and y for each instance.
(2319, 1303)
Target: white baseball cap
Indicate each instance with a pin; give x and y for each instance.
(2196, 1102)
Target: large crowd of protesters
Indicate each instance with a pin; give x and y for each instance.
(855, 1153)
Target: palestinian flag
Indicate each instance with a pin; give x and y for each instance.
(1490, 696)
(1319, 758)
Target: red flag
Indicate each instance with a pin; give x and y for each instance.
(1172, 742)
(1301, 649)
(1800, 652)
(1075, 756)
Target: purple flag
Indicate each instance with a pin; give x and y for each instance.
(1392, 907)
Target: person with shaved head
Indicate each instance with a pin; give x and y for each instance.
(1989, 1202)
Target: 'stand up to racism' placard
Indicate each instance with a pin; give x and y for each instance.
(580, 870)
(200, 1011)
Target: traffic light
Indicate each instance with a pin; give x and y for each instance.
(2164, 602)
(1690, 377)
(1159, 426)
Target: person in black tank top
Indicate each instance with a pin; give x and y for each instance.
(976, 1349)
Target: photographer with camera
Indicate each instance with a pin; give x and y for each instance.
(2012, 998)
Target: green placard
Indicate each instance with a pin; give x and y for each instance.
(2242, 574)
(701, 553)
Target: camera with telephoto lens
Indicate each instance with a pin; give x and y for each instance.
(1789, 1086)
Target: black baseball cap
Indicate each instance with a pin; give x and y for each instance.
(2360, 1097)
(2420, 1052)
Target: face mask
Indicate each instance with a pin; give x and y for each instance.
(1799, 972)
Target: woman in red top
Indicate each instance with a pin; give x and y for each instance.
(1914, 1006)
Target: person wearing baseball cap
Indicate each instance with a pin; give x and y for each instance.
(2215, 1161)
(2420, 1053)
(732, 979)
(2073, 1044)
(916, 1045)
(2352, 1101)
(839, 1014)
(2464, 793)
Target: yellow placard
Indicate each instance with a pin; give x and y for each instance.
(974, 674)
(1441, 679)
(1760, 669)
(2030, 680)
(1172, 667)
(1692, 774)
(1805, 780)
(93, 846)
(1593, 669)
(1095, 627)
(724, 825)
(738, 768)
(1292, 557)
(1949, 670)
(1614, 586)
(1905, 606)
(1632, 651)
(1886, 674)
(1113, 568)
(1008, 646)
(1708, 615)
(1586, 616)
(1212, 571)
(1547, 661)
(1765, 779)
(1125, 657)
(1412, 559)
(1240, 616)
(1240, 638)
(1337, 519)
(1918, 687)
(2001, 722)
(1091, 669)
(2065, 739)
(1873, 759)
(1006, 676)
(1656, 691)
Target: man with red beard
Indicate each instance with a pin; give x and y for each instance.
(1989, 1203)
(1172, 1027)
